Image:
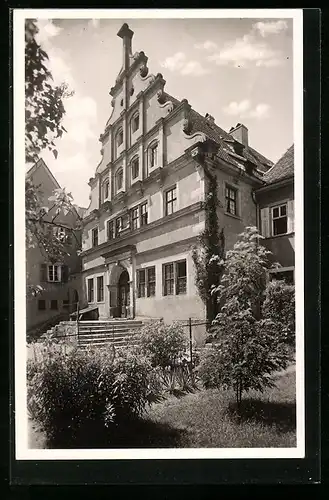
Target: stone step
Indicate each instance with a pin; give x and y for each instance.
(110, 331)
(111, 322)
(100, 342)
(91, 338)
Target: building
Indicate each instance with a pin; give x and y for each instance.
(276, 204)
(147, 198)
(60, 281)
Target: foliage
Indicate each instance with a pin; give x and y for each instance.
(44, 108)
(245, 271)
(208, 254)
(69, 391)
(279, 306)
(44, 114)
(246, 353)
(164, 344)
(248, 348)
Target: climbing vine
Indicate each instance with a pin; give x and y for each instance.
(208, 253)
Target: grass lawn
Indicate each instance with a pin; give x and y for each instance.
(205, 418)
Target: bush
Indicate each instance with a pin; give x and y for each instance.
(246, 352)
(165, 345)
(69, 392)
(279, 306)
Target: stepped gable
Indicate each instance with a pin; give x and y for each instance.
(283, 169)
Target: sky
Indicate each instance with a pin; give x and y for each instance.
(237, 70)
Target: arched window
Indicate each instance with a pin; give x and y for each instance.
(135, 122)
(134, 168)
(119, 137)
(153, 154)
(106, 190)
(119, 179)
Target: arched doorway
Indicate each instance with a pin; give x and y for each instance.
(123, 294)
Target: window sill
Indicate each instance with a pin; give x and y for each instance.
(232, 215)
(280, 235)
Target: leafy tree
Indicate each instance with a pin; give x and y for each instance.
(44, 108)
(208, 254)
(44, 114)
(247, 347)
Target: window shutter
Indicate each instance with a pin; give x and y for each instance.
(265, 222)
(65, 274)
(291, 216)
(43, 272)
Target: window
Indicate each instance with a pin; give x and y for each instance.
(181, 277)
(41, 305)
(134, 218)
(125, 222)
(66, 304)
(110, 230)
(135, 122)
(146, 282)
(287, 276)
(169, 281)
(119, 137)
(143, 211)
(63, 234)
(135, 168)
(54, 273)
(279, 220)
(119, 179)
(94, 237)
(231, 200)
(91, 290)
(170, 201)
(141, 283)
(174, 278)
(100, 288)
(153, 154)
(150, 284)
(118, 226)
(106, 190)
(54, 305)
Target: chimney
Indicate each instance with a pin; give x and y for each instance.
(240, 134)
(126, 34)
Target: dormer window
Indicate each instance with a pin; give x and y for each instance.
(119, 137)
(135, 168)
(119, 179)
(135, 122)
(153, 155)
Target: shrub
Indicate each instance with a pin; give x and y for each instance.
(246, 352)
(279, 306)
(68, 392)
(165, 345)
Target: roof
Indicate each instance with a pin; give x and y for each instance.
(283, 169)
(41, 163)
(200, 123)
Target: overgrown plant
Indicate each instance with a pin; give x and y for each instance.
(248, 348)
(165, 345)
(279, 306)
(73, 392)
(208, 254)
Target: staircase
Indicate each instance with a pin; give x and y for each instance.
(100, 333)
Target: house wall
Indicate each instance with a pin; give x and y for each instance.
(283, 246)
(36, 256)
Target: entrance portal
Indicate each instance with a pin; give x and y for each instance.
(123, 294)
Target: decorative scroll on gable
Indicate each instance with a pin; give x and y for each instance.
(163, 100)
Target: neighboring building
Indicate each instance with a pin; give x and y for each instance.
(147, 196)
(276, 203)
(61, 281)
